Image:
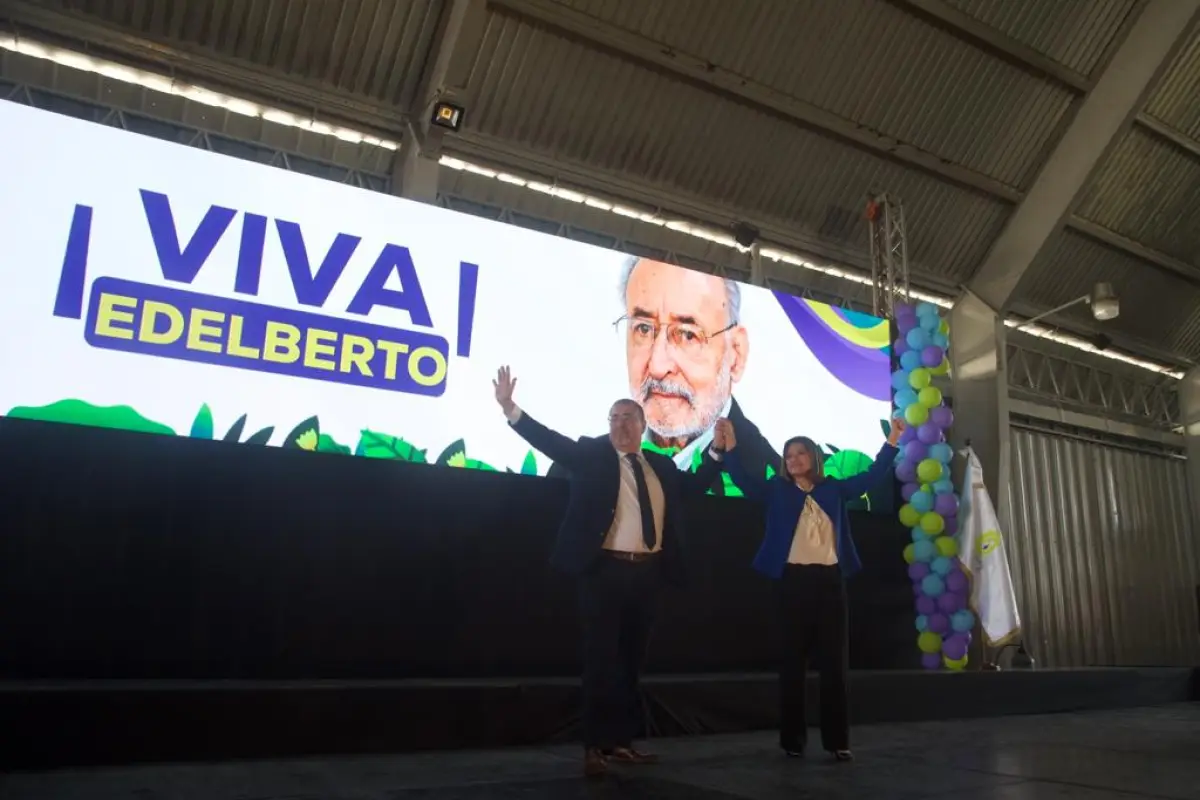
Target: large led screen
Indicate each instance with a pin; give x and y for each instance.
(159, 288)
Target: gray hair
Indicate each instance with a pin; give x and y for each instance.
(733, 292)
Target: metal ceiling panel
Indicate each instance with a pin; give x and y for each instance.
(1174, 101)
(622, 118)
(372, 48)
(1075, 33)
(870, 63)
(1149, 190)
(1155, 307)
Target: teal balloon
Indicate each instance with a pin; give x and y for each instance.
(922, 623)
(925, 308)
(900, 380)
(943, 486)
(941, 452)
(919, 535)
(918, 339)
(905, 397)
(941, 565)
(910, 360)
(924, 551)
(922, 501)
(933, 585)
(939, 339)
(929, 323)
(961, 621)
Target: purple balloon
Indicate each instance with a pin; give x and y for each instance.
(906, 323)
(909, 435)
(931, 356)
(931, 660)
(928, 433)
(900, 347)
(918, 591)
(918, 570)
(946, 505)
(951, 527)
(925, 604)
(942, 416)
(955, 647)
(904, 310)
(908, 490)
(906, 471)
(949, 602)
(916, 452)
(956, 582)
(939, 623)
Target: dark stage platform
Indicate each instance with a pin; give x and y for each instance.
(1095, 755)
(45, 725)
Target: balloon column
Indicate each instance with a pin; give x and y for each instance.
(944, 623)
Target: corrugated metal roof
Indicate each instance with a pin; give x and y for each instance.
(626, 119)
(1154, 307)
(1174, 100)
(872, 64)
(1149, 190)
(373, 48)
(1075, 33)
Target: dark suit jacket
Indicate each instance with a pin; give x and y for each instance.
(595, 480)
(756, 452)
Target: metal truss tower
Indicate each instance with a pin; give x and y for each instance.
(889, 254)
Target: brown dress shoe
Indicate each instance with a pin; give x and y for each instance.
(594, 763)
(627, 755)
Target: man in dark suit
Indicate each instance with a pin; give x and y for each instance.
(622, 537)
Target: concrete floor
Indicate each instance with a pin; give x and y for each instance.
(1153, 752)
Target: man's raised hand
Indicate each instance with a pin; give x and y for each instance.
(504, 384)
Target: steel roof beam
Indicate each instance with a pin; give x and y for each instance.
(1107, 111)
(713, 77)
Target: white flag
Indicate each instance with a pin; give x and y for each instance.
(981, 551)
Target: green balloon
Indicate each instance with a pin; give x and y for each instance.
(928, 470)
(919, 378)
(946, 545)
(932, 523)
(916, 414)
(909, 515)
(944, 327)
(930, 397)
(910, 553)
(929, 642)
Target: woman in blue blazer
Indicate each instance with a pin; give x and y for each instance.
(808, 550)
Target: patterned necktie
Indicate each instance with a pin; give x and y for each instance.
(648, 532)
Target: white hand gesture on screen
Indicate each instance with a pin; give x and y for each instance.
(504, 385)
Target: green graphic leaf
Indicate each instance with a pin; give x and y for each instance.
(831, 449)
(455, 455)
(304, 436)
(79, 412)
(886, 424)
(202, 425)
(326, 444)
(262, 437)
(529, 465)
(471, 463)
(847, 463)
(235, 430)
(381, 445)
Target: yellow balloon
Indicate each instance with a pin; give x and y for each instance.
(910, 553)
(919, 378)
(946, 545)
(916, 414)
(942, 368)
(955, 664)
(909, 516)
(929, 642)
(944, 327)
(930, 397)
(933, 524)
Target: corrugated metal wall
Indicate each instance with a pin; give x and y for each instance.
(1103, 552)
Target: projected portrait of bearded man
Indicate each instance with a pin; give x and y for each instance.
(685, 349)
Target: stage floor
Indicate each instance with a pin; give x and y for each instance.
(1097, 755)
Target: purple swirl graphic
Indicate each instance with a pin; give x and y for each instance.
(863, 369)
